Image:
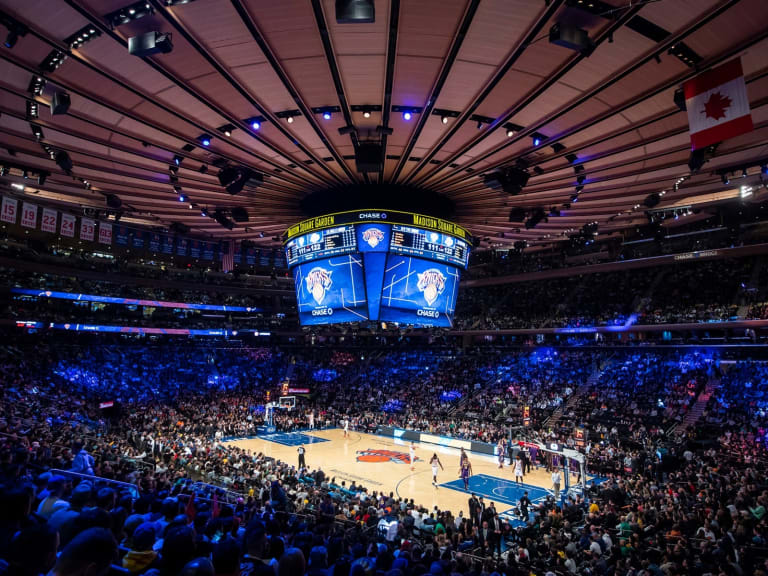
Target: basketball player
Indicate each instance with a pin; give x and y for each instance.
(435, 462)
(501, 449)
(519, 470)
(302, 462)
(346, 426)
(412, 451)
(465, 469)
(311, 419)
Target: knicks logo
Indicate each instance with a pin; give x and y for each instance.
(431, 284)
(374, 455)
(373, 236)
(318, 283)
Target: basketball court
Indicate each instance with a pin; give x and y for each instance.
(381, 463)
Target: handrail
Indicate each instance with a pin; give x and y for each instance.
(132, 488)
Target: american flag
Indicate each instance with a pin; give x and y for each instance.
(228, 256)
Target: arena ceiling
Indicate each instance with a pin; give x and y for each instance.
(233, 60)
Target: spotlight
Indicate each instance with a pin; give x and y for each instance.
(182, 198)
(326, 115)
(64, 161)
(3, 170)
(764, 169)
(205, 139)
(367, 114)
(17, 186)
(178, 160)
(510, 133)
(407, 115)
(536, 141)
(743, 172)
(290, 120)
(444, 119)
(204, 212)
(11, 39)
(479, 125)
(256, 125)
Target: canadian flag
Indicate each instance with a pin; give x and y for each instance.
(717, 104)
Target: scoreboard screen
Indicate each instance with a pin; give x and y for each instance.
(321, 244)
(428, 244)
(331, 291)
(377, 265)
(419, 292)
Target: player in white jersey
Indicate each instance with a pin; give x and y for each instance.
(412, 450)
(346, 426)
(435, 462)
(312, 420)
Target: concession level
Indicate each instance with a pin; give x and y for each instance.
(429, 245)
(321, 244)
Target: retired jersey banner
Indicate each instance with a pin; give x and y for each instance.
(10, 208)
(29, 215)
(208, 251)
(67, 225)
(105, 233)
(154, 242)
(194, 249)
(87, 229)
(717, 104)
(50, 220)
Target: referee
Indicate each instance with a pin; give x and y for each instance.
(302, 451)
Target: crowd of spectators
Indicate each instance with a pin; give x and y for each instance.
(697, 292)
(683, 512)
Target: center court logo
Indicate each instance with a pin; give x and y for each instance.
(374, 455)
(318, 283)
(431, 284)
(373, 236)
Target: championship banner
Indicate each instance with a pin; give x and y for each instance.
(10, 207)
(105, 233)
(208, 251)
(50, 220)
(250, 256)
(67, 225)
(122, 236)
(29, 215)
(87, 229)
(181, 246)
(154, 242)
(166, 244)
(139, 239)
(194, 249)
(717, 105)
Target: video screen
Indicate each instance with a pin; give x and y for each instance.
(373, 237)
(418, 292)
(320, 244)
(429, 244)
(331, 291)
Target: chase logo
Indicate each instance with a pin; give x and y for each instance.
(373, 236)
(431, 284)
(318, 283)
(373, 455)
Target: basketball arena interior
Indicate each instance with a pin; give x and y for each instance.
(384, 288)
